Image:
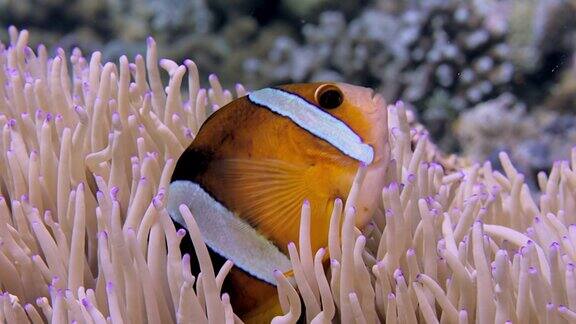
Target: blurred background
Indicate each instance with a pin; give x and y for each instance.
(482, 76)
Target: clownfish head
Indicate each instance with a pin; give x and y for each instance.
(359, 108)
(351, 118)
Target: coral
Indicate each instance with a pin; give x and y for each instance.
(449, 46)
(491, 126)
(554, 27)
(534, 140)
(84, 169)
(522, 29)
(112, 27)
(221, 34)
(542, 43)
(563, 94)
(551, 138)
(418, 54)
(333, 49)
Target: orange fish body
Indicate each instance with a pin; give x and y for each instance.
(262, 155)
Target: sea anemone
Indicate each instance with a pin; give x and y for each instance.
(85, 165)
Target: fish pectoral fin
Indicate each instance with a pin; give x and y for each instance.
(268, 193)
(226, 233)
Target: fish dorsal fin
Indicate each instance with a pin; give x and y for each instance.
(226, 233)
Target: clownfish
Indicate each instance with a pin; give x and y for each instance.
(257, 159)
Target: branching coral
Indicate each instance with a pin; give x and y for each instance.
(85, 237)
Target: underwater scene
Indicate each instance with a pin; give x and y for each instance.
(288, 161)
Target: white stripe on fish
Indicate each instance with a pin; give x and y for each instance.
(226, 233)
(314, 120)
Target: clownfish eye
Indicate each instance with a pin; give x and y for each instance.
(329, 97)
